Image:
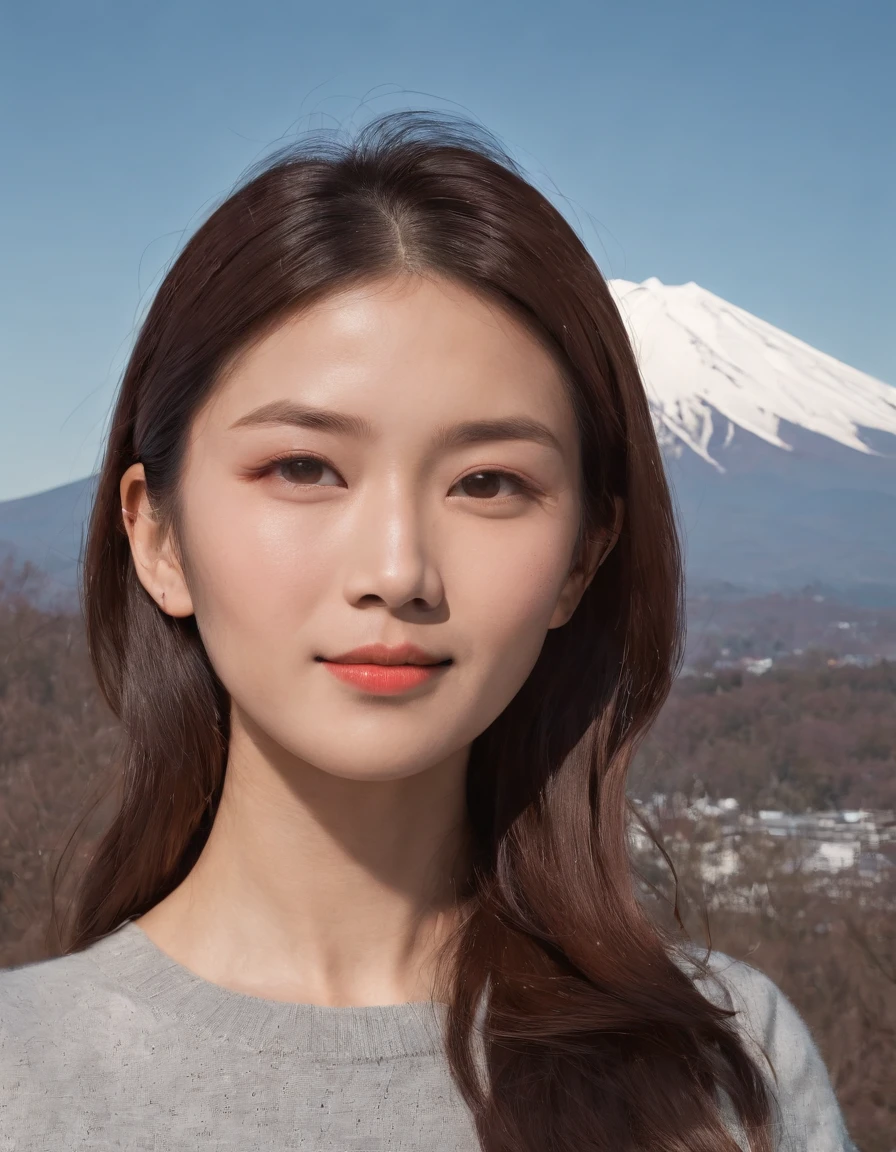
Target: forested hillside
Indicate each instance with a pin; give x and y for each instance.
(799, 738)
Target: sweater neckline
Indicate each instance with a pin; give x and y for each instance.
(347, 1034)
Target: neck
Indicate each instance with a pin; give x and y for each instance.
(321, 889)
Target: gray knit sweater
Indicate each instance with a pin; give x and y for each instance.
(119, 1047)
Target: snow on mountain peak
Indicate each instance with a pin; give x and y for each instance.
(709, 366)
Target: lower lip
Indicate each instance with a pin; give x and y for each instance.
(384, 679)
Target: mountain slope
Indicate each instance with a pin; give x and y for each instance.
(713, 370)
(48, 528)
(783, 459)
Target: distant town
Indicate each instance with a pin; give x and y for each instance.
(759, 632)
(858, 845)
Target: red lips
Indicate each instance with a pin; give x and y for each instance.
(386, 671)
(383, 654)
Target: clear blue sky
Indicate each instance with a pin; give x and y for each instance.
(747, 146)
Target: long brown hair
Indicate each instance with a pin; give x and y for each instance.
(596, 1038)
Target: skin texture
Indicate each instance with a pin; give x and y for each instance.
(328, 875)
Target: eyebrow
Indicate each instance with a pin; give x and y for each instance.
(447, 436)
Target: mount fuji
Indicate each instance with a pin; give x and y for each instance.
(781, 458)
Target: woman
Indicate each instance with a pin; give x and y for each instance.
(382, 580)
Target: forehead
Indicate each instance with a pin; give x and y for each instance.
(410, 345)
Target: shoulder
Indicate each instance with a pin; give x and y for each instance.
(780, 1041)
(765, 1015)
(57, 1015)
(48, 991)
(34, 996)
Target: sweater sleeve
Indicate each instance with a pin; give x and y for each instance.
(808, 1115)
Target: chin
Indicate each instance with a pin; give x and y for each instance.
(363, 768)
(370, 757)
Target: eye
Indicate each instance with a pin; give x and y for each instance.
(486, 484)
(302, 471)
(309, 472)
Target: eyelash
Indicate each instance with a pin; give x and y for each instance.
(527, 490)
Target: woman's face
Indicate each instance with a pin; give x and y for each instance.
(426, 493)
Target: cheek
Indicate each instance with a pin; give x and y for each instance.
(508, 591)
(255, 582)
(503, 599)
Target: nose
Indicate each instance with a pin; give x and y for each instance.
(391, 552)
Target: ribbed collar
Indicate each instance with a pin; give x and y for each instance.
(348, 1034)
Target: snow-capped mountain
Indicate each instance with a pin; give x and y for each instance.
(712, 370)
(782, 459)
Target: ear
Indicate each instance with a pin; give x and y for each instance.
(155, 561)
(594, 552)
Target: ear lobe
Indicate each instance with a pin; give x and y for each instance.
(596, 550)
(600, 546)
(155, 565)
(613, 535)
